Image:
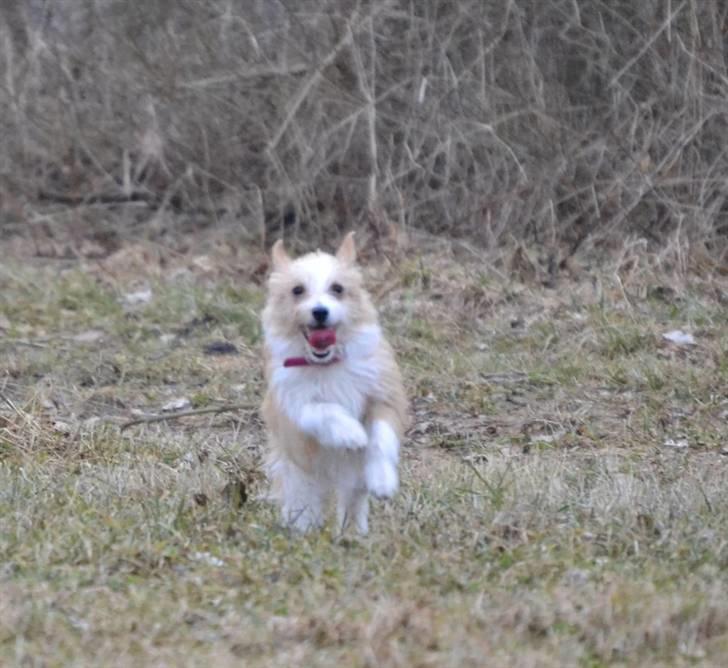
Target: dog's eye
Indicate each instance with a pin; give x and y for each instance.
(337, 288)
(297, 290)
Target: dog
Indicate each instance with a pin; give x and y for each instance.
(335, 407)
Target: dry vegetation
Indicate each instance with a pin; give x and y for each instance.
(564, 487)
(565, 482)
(558, 122)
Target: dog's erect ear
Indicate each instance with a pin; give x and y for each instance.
(280, 258)
(347, 250)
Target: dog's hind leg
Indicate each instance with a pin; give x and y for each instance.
(352, 507)
(301, 496)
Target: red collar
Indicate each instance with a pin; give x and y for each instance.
(302, 361)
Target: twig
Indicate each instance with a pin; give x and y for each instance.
(253, 72)
(504, 377)
(23, 342)
(199, 411)
(10, 403)
(353, 25)
(665, 26)
(367, 88)
(98, 198)
(306, 87)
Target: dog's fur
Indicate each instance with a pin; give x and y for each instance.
(334, 425)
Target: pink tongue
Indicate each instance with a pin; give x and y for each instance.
(322, 338)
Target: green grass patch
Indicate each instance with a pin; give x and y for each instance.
(541, 513)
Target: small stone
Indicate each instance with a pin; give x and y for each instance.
(143, 296)
(62, 428)
(179, 404)
(677, 444)
(679, 338)
(89, 336)
(200, 499)
(207, 558)
(220, 348)
(577, 577)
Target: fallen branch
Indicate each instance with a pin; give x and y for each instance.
(504, 377)
(198, 411)
(98, 198)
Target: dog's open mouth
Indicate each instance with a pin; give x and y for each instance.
(321, 342)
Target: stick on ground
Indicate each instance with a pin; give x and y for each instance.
(199, 411)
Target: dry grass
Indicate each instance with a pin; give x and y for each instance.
(556, 122)
(564, 484)
(545, 517)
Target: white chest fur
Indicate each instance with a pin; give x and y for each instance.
(345, 383)
(349, 382)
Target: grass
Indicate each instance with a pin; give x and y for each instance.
(544, 517)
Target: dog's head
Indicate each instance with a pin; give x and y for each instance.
(317, 302)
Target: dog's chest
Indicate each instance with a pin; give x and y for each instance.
(349, 386)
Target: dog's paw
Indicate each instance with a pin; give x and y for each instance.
(381, 478)
(302, 522)
(344, 432)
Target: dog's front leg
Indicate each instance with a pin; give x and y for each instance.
(331, 425)
(382, 456)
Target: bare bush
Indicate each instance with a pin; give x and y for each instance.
(549, 122)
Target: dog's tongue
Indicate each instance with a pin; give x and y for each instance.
(322, 338)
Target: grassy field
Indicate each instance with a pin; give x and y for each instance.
(564, 486)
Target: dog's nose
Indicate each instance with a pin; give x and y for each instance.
(320, 313)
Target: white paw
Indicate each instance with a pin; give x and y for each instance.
(344, 432)
(381, 478)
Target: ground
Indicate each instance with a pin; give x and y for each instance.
(564, 491)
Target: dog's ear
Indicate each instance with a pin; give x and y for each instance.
(280, 258)
(347, 250)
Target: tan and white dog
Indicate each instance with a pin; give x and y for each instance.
(335, 408)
